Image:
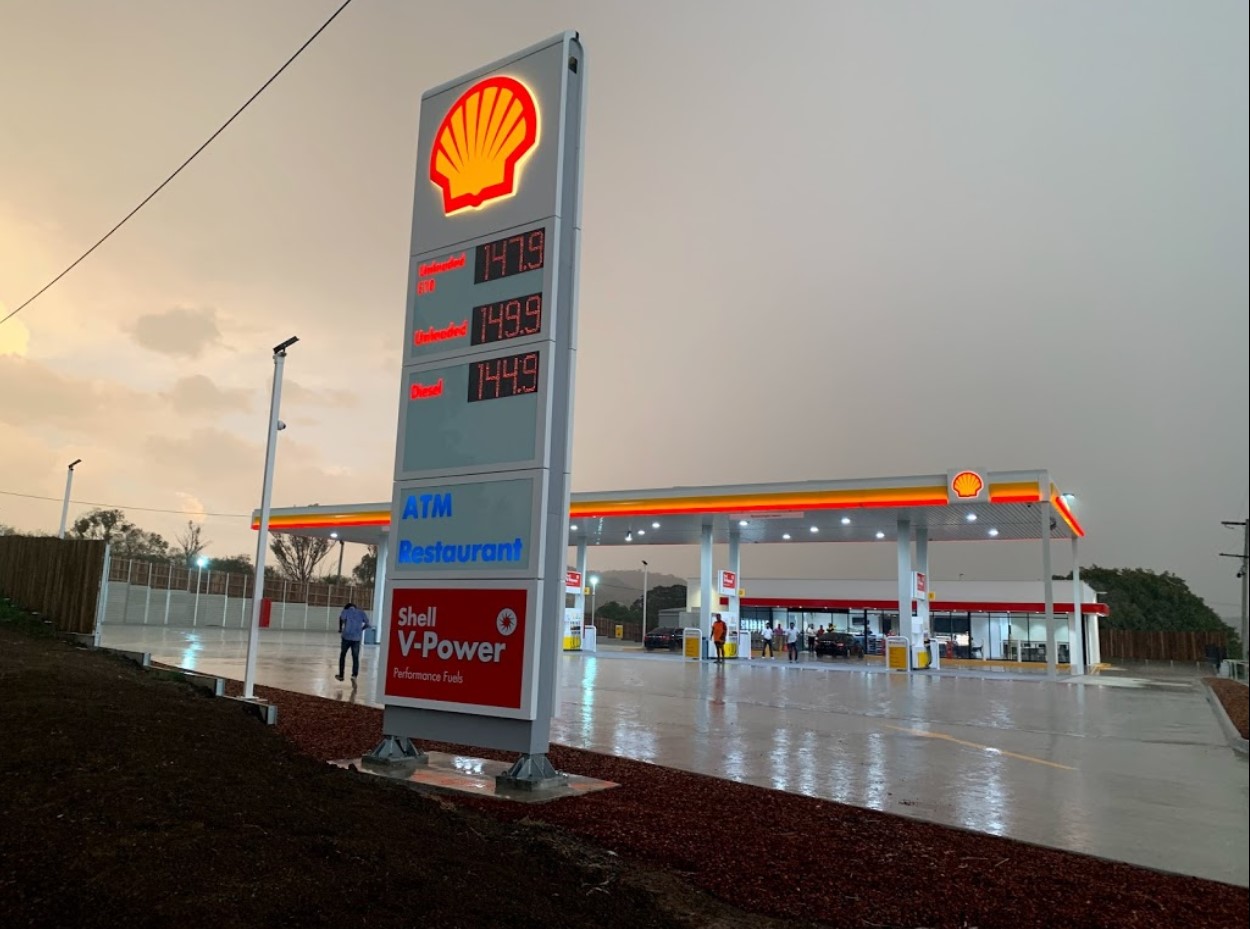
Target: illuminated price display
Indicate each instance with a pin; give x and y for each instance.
(509, 376)
(515, 254)
(507, 319)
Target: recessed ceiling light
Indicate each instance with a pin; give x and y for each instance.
(573, 528)
(971, 517)
(642, 531)
(786, 536)
(742, 522)
(846, 520)
(814, 529)
(993, 532)
(655, 525)
(629, 537)
(880, 535)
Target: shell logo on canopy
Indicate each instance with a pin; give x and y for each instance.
(481, 143)
(967, 485)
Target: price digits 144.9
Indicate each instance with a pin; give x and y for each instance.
(509, 376)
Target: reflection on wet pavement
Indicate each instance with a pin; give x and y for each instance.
(1121, 767)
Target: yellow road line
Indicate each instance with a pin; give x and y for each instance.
(984, 748)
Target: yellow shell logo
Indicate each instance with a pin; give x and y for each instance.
(481, 142)
(967, 484)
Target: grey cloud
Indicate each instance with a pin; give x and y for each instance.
(36, 395)
(198, 394)
(182, 331)
(298, 394)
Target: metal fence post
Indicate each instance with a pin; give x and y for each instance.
(102, 597)
(169, 588)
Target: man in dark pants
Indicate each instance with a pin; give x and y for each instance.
(352, 625)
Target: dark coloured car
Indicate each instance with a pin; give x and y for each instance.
(840, 645)
(664, 637)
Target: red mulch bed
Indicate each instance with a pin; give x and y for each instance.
(1236, 699)
(790, 856)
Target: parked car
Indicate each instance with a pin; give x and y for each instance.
(664, 637)
(840, 645)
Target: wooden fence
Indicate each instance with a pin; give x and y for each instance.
(1142, 645)
(56, 578)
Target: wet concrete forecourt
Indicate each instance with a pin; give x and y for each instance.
(1134, 769)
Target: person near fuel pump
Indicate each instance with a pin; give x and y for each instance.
(766, 638)
(719, 629)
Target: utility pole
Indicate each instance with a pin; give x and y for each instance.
(1245, 550)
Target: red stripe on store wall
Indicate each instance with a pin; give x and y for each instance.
(935, 606)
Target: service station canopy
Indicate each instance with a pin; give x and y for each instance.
(963, 505)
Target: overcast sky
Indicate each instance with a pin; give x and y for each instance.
(877, 238)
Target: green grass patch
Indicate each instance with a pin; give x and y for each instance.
(15, 617)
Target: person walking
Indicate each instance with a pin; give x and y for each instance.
(352, 624)
(766, 638)
(792, 643)
(718, 638)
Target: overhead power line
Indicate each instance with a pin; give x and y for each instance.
(119, 506)
(104, 238)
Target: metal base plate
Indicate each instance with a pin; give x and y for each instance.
(461, 774)
(395, 751)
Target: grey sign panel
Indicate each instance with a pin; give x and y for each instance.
(486, 404)
(478, 526)
(442, 431)
(535, 177)
(482, 295)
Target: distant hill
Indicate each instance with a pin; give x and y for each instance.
(625, 587)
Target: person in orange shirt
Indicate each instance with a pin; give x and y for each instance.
(718, 638)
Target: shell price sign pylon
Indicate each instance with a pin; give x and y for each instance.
(475, 581)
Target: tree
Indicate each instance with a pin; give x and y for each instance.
(298, 555)
(7, 530)
(1143, 599)
(661, 598)
(615, 612)
(365, 572)
(235, 564)
(191, 542)
(125, 538)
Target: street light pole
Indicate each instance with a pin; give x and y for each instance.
(69, 482)
(644, 599)
(339, 573)
(262, 535)
(1244, 575)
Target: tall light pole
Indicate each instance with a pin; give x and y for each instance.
(69, 482)
(339, 574)
(644, 599)
(1245, 578)
(262, 534)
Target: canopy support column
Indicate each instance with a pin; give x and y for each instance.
(705, 581)
(1076, 629)
(1048, 583)
(379, 588)
(906, 627)
(922, 566)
